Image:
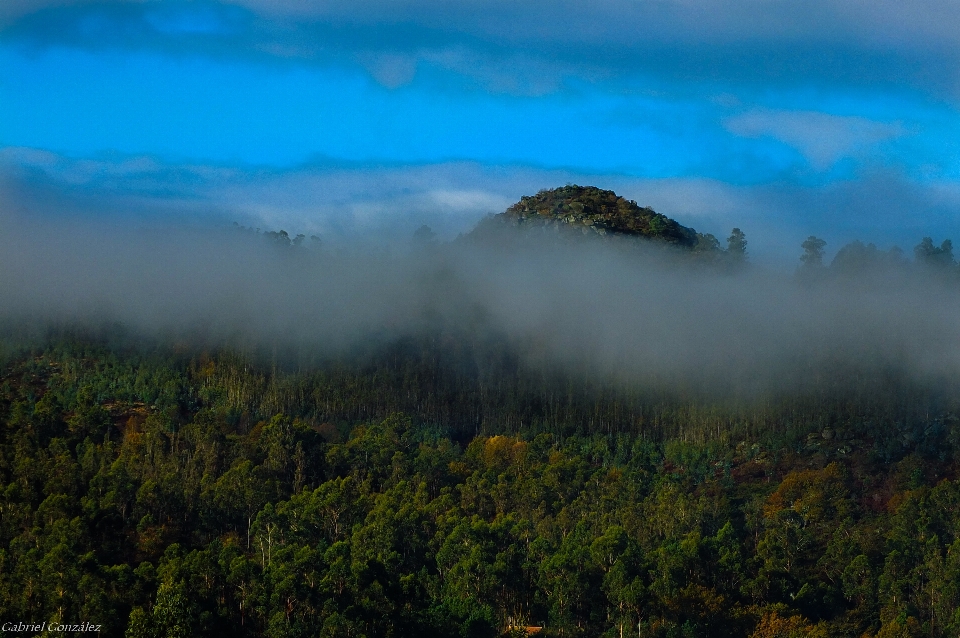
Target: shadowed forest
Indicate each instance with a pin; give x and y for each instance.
(580, 419)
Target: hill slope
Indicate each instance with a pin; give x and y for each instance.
(592, 210)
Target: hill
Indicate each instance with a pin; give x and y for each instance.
(592, 211)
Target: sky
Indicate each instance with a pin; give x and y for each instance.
(371, 117)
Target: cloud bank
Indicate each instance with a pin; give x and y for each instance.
(621, 313)
(498, 42)
(386, 203)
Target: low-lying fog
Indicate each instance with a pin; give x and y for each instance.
(630, 313)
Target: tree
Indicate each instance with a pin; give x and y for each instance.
(859, 583)
(424, 235)
(812, 256)
(241, 490)
(140, 625)
(280, 238)
(773, 625)
(171, 614)
(737, 246)
(706, 243)
(928, 254)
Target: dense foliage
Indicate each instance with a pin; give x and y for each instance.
(174, 494)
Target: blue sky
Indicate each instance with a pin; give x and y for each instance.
(834, 118)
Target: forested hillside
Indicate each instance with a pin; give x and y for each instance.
(470, 477)
(589, 209)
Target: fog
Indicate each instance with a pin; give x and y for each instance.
(633, 313)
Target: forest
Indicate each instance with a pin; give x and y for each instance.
(535, 456)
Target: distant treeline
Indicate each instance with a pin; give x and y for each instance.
(859, 258)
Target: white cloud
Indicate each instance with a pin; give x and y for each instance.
(822, 138)
(389, 202)
(473, 201)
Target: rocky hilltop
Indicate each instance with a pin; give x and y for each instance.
(593, 210)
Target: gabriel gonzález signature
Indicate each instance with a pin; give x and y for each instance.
(54, 627)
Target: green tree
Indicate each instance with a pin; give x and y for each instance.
(737, 247)
(928, 254)
(171, 614)
(812, 257)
